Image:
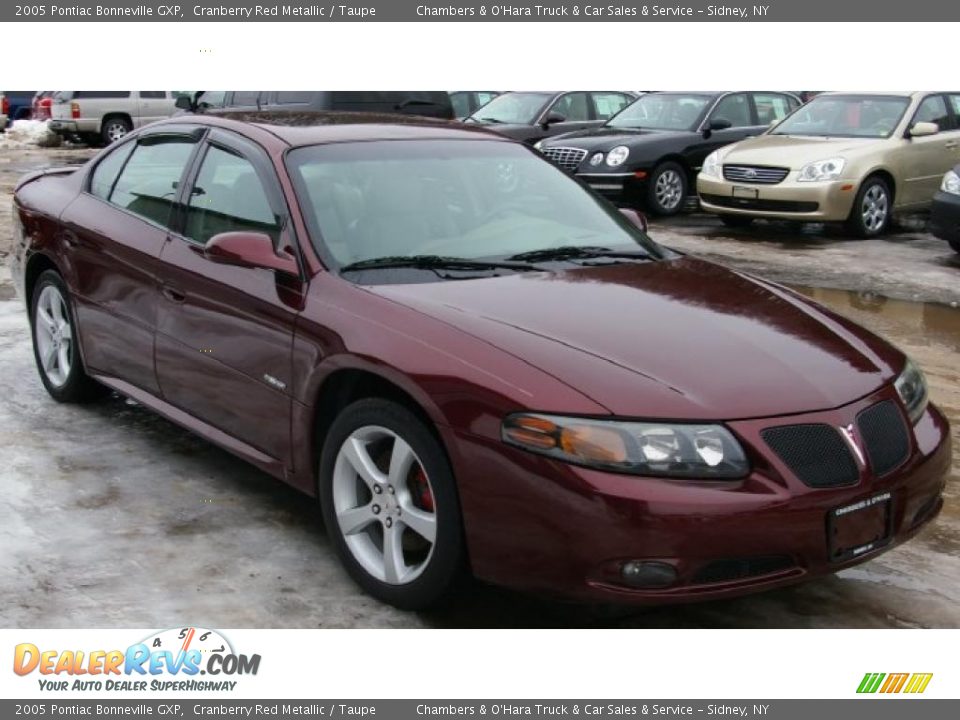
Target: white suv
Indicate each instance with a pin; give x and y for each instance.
(108, 115)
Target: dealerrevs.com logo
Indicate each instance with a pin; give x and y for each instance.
(170, 660)
(889, 683)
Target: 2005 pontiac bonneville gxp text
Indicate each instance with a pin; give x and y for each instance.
(473, 362)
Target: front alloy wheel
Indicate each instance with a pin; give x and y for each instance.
(871, 209)
(667, 189)
(390, 504)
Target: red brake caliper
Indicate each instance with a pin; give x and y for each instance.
(421, 490)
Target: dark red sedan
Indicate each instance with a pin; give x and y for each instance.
(474, 362)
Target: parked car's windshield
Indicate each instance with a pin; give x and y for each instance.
(516, 107)
(869, 116)
(662, 111)
(472, 199)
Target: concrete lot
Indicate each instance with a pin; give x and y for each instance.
(111, 516)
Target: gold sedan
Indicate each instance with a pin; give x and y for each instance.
(843, 157)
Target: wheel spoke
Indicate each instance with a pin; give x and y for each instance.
(355, 450)
(46, 320)
(48, 357)
(422, 523)
(66, 333)
(401, 459)
(56, 309)
(355, 519)
(63, 360)
(394, 566)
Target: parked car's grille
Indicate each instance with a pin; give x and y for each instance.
(817, 454)
(755, 174)
(741, 568)
(797, 206)
(884, 436)
(567, 158)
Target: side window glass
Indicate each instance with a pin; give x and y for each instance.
(733, 108)
(246, 99)
(461, 104)
(153, 94)
(609, 104)
(106, 171)
(955, 103)
(292, 97)
(228, 196)
(148, 183)
(573, 106)
(771, 107)
(934, 110)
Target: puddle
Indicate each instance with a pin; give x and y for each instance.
(919, 322)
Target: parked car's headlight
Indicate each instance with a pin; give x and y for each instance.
(538, 145)
(822, 170)
(640, 448)
(951, 183)
(712, 165)
(912, 388)
(618, 155)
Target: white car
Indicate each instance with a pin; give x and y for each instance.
(108, 115)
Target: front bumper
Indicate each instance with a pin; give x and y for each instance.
(544, 526)
(787, 200)
(623, 188)
(945, 218)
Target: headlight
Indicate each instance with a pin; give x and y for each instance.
(639, 448)
(618, 155)
(912, 389)
(822, 170)
(712, 165)
(951, 183)
(538, 145)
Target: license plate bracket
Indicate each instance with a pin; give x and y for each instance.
(747, 193)
(860, 527)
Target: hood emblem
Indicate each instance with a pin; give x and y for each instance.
(750, 173)
(851, 438)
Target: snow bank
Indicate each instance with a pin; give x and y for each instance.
(26, 133)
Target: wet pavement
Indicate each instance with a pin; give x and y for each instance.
(112, 516)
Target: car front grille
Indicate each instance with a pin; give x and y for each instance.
(789, 206)
(566, 157)
(734, 569)
(885, 438)
(755, 174)
(815, 453)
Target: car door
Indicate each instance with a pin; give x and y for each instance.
(733, 108)
(225, 333)
(925, 159)
(152, 105)
(116, 229)
(577, 110)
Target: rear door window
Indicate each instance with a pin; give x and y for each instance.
(148, 184)
(246, 99)
(575, 107)
(735, 109)
(228, 196)
(606, 105)
(294, 98)
(105, 173)
(772, 107)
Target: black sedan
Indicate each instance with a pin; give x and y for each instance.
(532, 116)
(649, 154)
(945, 211)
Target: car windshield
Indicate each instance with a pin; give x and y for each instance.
(662, 111)
(517, 107)
(868, 116)
(467, 199)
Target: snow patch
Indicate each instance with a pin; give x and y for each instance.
(25, 133)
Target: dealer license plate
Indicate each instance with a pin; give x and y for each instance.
(745, 192)
(860, 527)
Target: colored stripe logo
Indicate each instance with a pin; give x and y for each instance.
(913, 683)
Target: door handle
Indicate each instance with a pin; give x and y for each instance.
(173, 295)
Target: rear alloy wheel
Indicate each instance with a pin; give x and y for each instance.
(872, 209)
(667, 189)
(390, 504)
(115, 128)
(55, 344)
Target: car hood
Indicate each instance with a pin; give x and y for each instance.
(605, 138)
(679, 339)
(794, 151)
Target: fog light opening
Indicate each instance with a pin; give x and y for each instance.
(649, 575)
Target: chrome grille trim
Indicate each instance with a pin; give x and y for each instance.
(566, 157)
(755, 174)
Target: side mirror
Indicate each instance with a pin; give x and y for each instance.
(638, 219)
(716, 124)
(183, 102)
(553, 118)
(248, 249)
(924, 129)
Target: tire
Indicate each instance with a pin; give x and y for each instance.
(667, 189)
(736, 221)
(114, 128)
(375, 505)
(54, 332)
(955, 244)
(872, 209)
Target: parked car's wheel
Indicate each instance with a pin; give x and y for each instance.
(114, 129)
(955, 244)
(667, 189)
(872, 208)
(736, 221)
(55, 343)
(390, 504)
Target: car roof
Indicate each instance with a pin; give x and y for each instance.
(878, 93)
(315, 128)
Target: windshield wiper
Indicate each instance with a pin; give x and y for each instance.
(431, 262)
(493, 120)
(578, 252)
